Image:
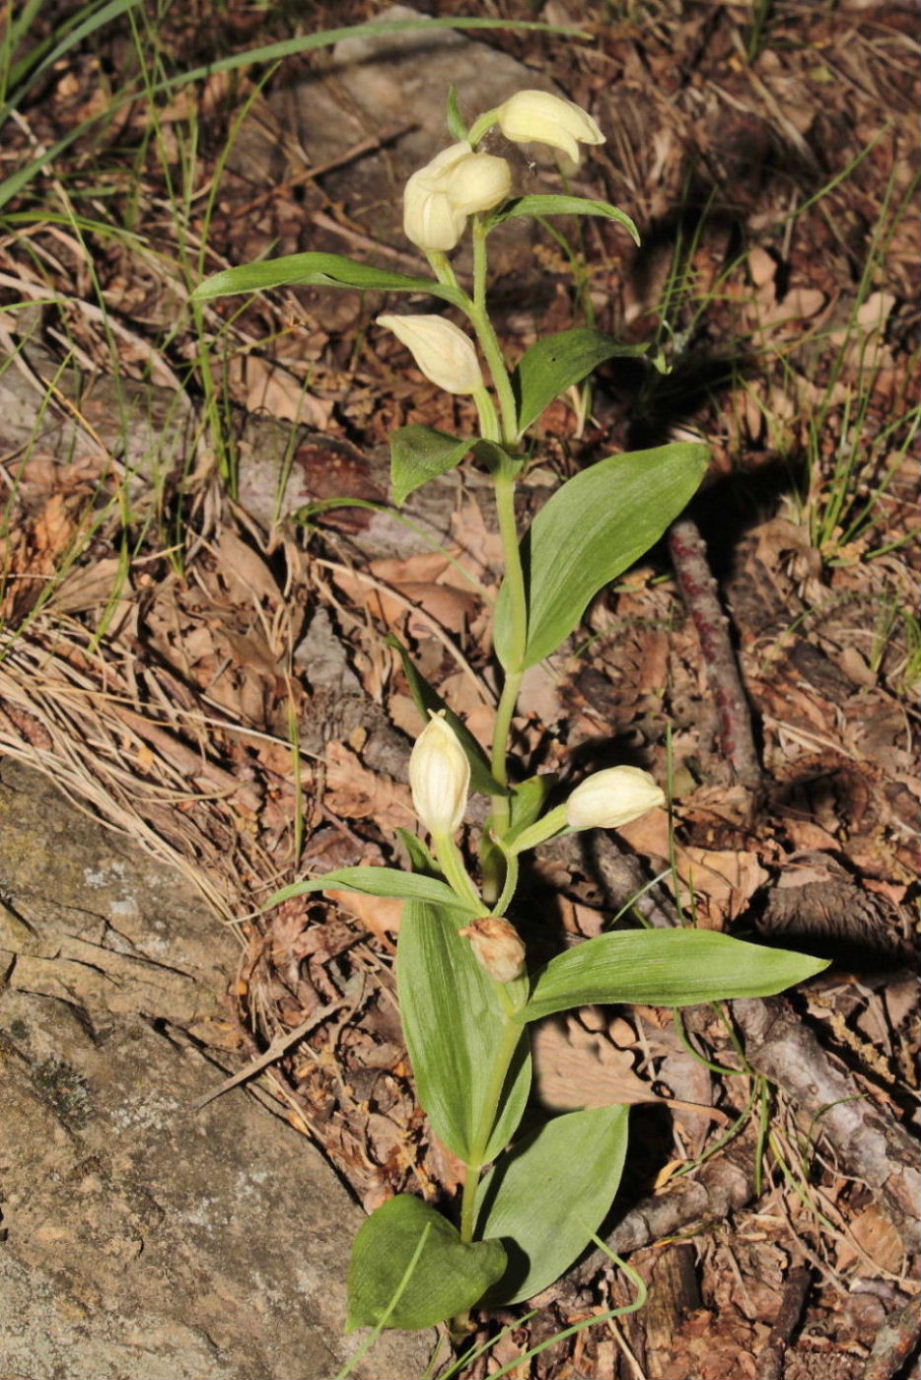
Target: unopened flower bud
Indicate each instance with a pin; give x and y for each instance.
(539, 117)
(439, 777)
(439, 197)
(609, 799)
(497, 947)
(443, 352)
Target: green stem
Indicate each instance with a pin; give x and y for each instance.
(468, 1202)
(489, 1110)
(480, 126)
(475, 309)
(514, 572)
(459, 1325)
(489, 343)
(509, 886)
(494, 867)
(442, 268)
(488, 417)
(456, 874)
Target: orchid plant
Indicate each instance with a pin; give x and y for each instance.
(469, 991)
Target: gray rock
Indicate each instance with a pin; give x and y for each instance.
(142, 1239)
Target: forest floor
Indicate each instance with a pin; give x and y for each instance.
(199, 656)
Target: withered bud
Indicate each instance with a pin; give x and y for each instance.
(497, 947)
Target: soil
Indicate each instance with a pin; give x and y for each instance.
(193, 653)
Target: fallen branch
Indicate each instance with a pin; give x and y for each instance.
(698, 590)
(722, 1186)
(868, 1142)
(796, 1291)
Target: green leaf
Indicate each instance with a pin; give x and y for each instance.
(558, 361)
(527, 802)
(664, 968)
(457, 127)
(459, 1038)
(425, 698)
(548, 1194)
(594, 527)
(445, 1276)
(420, 453)
(420, 856)
(555, 204)
(309, 511)
(377, 881)
(318, 270)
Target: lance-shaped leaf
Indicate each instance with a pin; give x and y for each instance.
(471, 1061)
(558, 361)
(547, 1195)
(421, 453)
(457, 125)
(664, 968)
(426, 698)
(318, 270)
(592, 529)
(557, 204)
(378, 881)
(410, 1269)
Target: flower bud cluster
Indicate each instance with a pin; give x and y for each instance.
(459, 182)
(454, 185)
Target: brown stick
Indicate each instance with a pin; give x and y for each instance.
(698, 589)
(869, 1142)
(724, 1184)
(796, 1289)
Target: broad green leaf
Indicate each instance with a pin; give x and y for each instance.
(459, 1038)
(377, 881)
(664, 968)
(555, 204)
(558, 361)
(425, 698)
(445, 1276)
(318, 270)
(594, 527)
(420, 453)
(547, 1195)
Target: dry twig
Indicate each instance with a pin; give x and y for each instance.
(698, 589)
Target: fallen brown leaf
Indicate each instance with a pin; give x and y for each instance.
(356, 793)
(380, 915)
(575, 1067)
